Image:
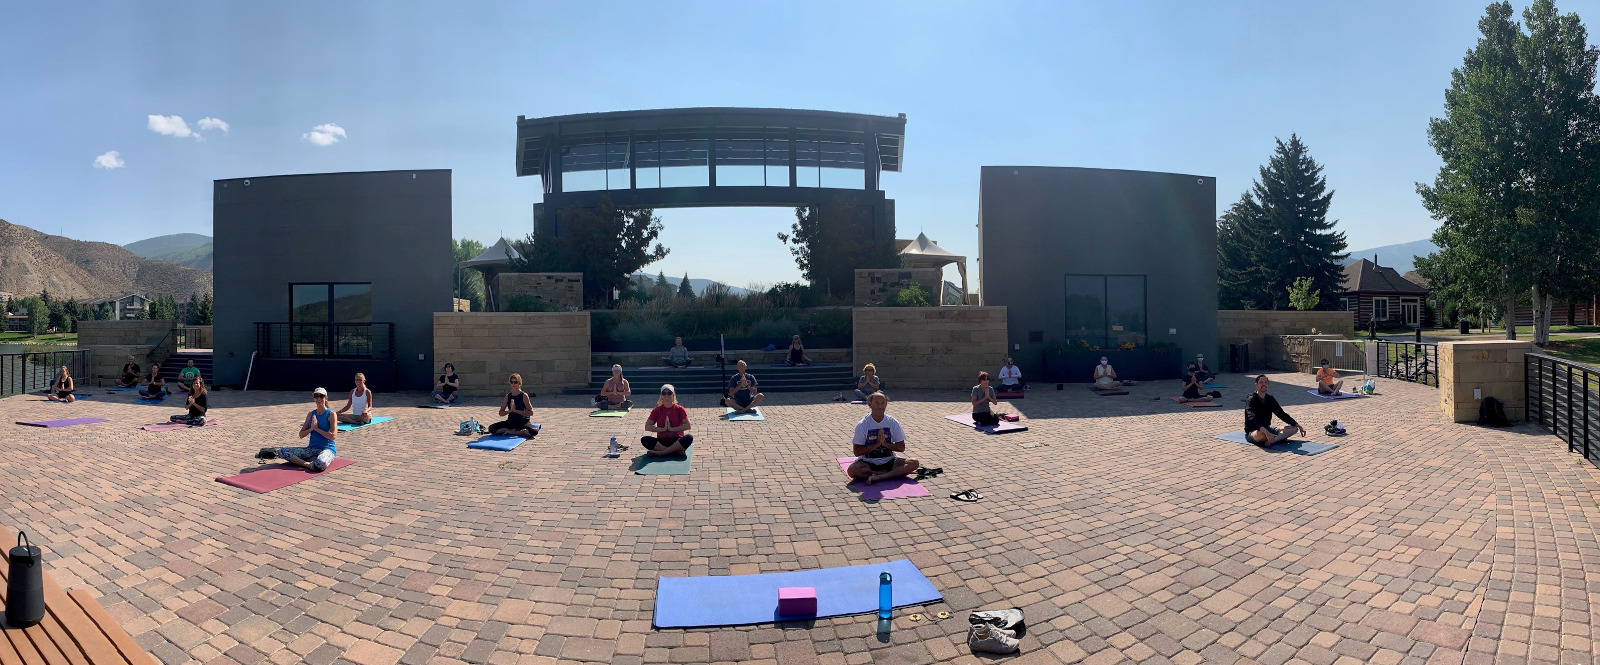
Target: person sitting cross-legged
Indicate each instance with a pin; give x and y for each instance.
(155, 387)
(797, 353)
(678, 355)
(1205, 373)
(130, 374)
(449, 385)
(668, 425)
(358, 411)
(879, 445)
(61, 387)
(187, 376)
(982, 397)
(517, 410)
(1192, 383)
(196, 403)
(614, 394)
(1105, 376)
(1328, 381)
(1258, 417)
(321, 426)
(742, 395)
(1011, 378)
(868, 383)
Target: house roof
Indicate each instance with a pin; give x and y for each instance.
(1364, 275)
(1414, 278)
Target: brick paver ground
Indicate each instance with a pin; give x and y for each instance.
(1125, 532)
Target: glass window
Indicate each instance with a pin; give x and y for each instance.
(1086, 309)
(310, 303)
(352, 303)
(1106, 310)
(1125, 309)
(1380, 309)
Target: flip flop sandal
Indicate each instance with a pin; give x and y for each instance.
(914, 617)
(969, 496)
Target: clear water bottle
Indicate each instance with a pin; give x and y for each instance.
(885, 596)
(613, 451)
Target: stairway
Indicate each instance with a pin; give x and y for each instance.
(708, 380)
(178, 360)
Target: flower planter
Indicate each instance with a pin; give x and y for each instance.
(1141, 364)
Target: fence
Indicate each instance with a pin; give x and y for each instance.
(1345, 355)
(325, 340)
(1409, 361)
(29, 372)
(1559, 399)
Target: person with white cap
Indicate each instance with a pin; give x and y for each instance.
(321, 426)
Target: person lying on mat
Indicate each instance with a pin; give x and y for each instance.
(869, 382)
(156, 386)
(982, 397)
(322, 427)
(187, 377)
(449, 383)
(742, 396)
(668, 425)
(678, 355)
(517, 411)
(1328, 381)
(614, 394)
(879, 445)
(196, 403)
(130, 374)
(797, 353)
(1011, 378)
(1192, 383)
(1258, 417)
(1201, 369)
(1105, 377)
(358, 411)
(61, 387)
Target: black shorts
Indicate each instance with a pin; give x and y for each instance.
(63, 394)
(743, 398)
(880, 466)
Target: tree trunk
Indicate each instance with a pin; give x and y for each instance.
(1510, 321)
(1538, 315)
(1549, 303)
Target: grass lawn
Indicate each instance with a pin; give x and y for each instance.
(1584, 350)
(52, 338)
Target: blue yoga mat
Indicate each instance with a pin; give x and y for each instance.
(497, 442)
(118, 390)
(737, 600)
(345, 427)
(1295, 446)
(753, 414)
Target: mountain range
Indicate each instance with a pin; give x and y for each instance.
(699, 285)
(1401, 257)
(191, 250)
(31, 262)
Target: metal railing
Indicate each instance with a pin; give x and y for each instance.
(325, 340)
(1417, 362)
(1564, 398)
(1343, 354)
(33, 371)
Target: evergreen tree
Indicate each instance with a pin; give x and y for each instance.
(685, 289)
(608, 244)
(1240, 282)
(202, 314)
(1279, 232)
(38, 317)
(466, 282)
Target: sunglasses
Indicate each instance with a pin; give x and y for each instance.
(516, 383)
(666, 392)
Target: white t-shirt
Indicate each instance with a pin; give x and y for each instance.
(1010, 374)
(869, 432)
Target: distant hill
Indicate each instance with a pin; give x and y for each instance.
(699, 285)
(31, 261)
(191, 250)
(1399, 257)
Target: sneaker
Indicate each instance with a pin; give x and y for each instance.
(267, 453)
(984, 637)
(1008, 619)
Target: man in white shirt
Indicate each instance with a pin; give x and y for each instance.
(1010, 378)
(879, 445)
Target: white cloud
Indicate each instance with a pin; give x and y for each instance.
(324, 135)
(212, 123)
(171, 125)
(110, 160)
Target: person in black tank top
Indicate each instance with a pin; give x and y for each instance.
(517, 410)
(1258, 417)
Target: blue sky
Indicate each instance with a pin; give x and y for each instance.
(1198, 88)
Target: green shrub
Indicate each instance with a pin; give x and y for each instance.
(773, 329)
(833, 322)
(527, 303)
(643, 330)
(912, 296)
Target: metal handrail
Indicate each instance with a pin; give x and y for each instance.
(283, 339)
(1558, 395)
(1417, 362)
(34, 370)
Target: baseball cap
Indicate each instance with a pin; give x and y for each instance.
(320, 391)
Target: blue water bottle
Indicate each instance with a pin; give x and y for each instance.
(885, 596)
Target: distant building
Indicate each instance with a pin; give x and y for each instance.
(125, 307)
(1379, 294)
(16, 323)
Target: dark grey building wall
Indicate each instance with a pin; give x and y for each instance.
(389, 228)
(1038, 224)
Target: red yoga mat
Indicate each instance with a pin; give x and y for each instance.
(264, 479)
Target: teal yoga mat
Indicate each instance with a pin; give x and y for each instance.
(753, 415)
(1295, 446)
(666, 465)
(345, 427)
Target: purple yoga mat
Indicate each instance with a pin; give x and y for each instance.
(63, 423)
(1003, 428)
(169, 427)
(263, 479)
(899, 488)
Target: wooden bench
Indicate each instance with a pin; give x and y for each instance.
(76, 630)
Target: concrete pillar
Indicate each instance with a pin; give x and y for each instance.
(1471, 371)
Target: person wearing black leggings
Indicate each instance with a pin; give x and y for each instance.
(983, 396)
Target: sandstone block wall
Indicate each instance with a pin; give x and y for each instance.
(874, 286)
(111, 342)
(1493, 368)
(930, 347)
(549, 349)
(1257, 326)
(558, 288)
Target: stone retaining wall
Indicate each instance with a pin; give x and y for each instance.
(557, 288)
(875, 285)
(109, 344)
(1255, 326)
(754, 357)
(1491, 368)
(931, 347)
(549, 349)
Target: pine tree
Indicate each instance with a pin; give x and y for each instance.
(685, 289)
(1239, 278)
(1279, 232)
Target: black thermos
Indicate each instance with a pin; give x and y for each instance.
(25, 586)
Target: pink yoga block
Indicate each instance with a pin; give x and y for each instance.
(797, 600)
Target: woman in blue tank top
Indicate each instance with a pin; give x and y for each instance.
(322, 428)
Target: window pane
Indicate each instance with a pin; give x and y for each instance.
(352, 303)
(1125, 309)
(309, 303)
(1086, 309)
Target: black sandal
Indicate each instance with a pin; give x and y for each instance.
(924, 473)
(969, 496)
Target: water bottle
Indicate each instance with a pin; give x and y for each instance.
(613, 451)
(885, 596)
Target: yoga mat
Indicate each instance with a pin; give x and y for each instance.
(1295, 446)
(811, 365)
(345, 427)
(666, 465)
(858, 401)
(1341, 395)
(75, 394)
(169, 427)
(1105, 393)
(63, 423)
(895, 488)
(1196, 405)
(497, 442)
(462, 399)
(118, 390)
(1002, 428)
(1212, 385)
(266, 478)
(736, 600)
(754, 415)
(1008, 396)
(608, 413)
(651, 369)
(151, 400)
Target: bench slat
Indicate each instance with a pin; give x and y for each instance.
(88, 637)
(130, 650)
(8, 653)
(69, 634)
(43, 647)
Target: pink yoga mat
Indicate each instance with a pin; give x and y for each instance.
(1196, 405)
(270, 477)
(168, 427)
(898, 488)
(1008, 396)
(63, 423)
(1003, 428)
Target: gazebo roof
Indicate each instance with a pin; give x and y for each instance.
(922, 246)
(494, 256)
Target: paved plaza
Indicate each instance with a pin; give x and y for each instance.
(1125, 532)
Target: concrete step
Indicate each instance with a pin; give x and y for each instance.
(709, 380)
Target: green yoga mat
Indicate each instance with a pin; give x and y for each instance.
(668, 465)
(607, 413)
(752, 415)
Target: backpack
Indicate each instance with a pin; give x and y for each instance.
(1492, 413)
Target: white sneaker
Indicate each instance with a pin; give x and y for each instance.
(984, 637)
